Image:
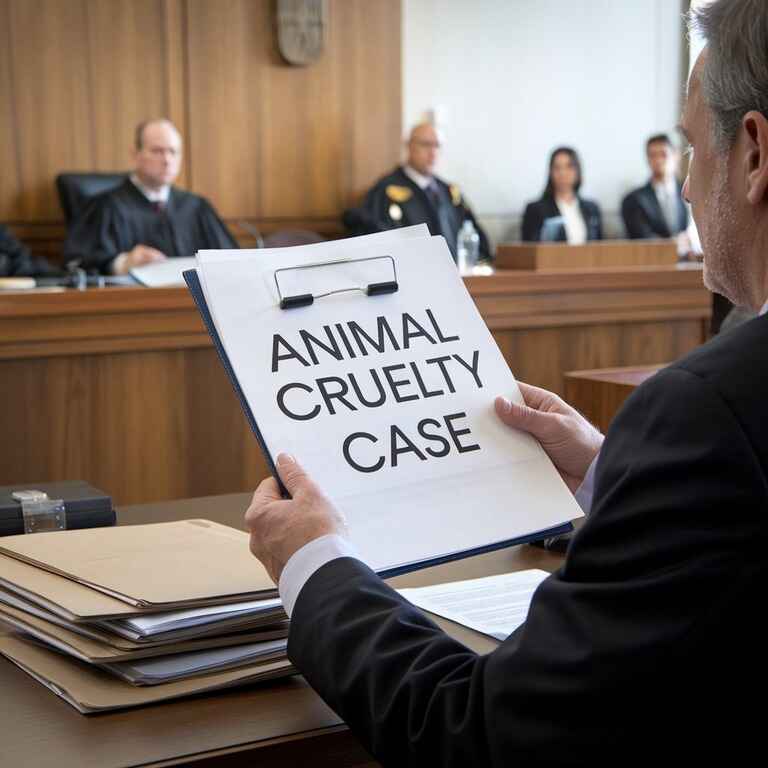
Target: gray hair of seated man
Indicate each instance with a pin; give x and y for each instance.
(735, 76)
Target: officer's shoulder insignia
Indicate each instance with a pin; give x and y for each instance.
(455, 194)
(399, 194)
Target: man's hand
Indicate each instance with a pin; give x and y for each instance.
(136, 257)
(279, 527)
(569, 440)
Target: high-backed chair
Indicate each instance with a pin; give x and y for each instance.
(76, 189)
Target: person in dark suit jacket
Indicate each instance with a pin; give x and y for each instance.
(657, 209)
(645, 648)
(561, 215)
(412, 194)
(17, 261)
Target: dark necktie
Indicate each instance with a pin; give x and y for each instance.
(158, 206)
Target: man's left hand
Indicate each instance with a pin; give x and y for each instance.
(280, 527)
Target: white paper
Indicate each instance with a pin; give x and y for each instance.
(163, 669)
(168, 621)
(493, 605)
(163, 274)
(422, 508)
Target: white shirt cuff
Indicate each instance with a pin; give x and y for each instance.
(586, 490)
(305, 561)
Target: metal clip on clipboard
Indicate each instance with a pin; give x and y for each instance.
(306, 299)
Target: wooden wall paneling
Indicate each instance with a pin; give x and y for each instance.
(540, 356)
(224, 46)
(175, 78)
(127, 64)
(119, 423)
(10, 178)
(52, 98)
(214, 418)
(373, 94)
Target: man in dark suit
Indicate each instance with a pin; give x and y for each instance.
(644, 648)
(657, 209)
(412, 194)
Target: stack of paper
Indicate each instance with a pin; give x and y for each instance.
(116, 617)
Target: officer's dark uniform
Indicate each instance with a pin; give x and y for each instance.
(396, 201)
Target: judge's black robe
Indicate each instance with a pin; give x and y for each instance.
(17, 261)
(117, 220)
(397, 201)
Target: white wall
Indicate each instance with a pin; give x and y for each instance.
(512, 79)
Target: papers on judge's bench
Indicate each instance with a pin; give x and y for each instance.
(387, 401)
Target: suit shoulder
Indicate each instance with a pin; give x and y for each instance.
(632, 196)
(394, 177)
(736, 353)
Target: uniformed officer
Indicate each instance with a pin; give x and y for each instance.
(412, 194)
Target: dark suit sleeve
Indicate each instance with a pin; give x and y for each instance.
(595, 222)
(532, 221)
(614, 642)
(15, 259)
(635, 220)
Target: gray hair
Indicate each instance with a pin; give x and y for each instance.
(735, 76)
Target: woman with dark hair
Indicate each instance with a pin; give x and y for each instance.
(561, 214)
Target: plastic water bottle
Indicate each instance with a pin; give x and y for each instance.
(467, 248)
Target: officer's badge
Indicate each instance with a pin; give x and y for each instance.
(395, 212)
(398, 194)
(455, 194)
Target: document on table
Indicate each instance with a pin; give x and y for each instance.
(494, 605)
(179, 666)
(163, 274)
(170, 621)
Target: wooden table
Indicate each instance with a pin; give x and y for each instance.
(600, 393)
(275, 724)
(121, 386)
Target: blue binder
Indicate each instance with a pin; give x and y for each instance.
(193, 283)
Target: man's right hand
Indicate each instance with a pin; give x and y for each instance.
(136, 257)
(569, 440)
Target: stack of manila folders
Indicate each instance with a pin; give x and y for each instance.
(109, 618)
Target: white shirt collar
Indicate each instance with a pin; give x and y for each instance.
(668, 185)
(764, 309)
(153, 195)
(419, 179)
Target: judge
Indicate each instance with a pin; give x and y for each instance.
(412, 194)
(146, 219)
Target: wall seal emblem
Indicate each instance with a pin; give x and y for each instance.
(302, 26)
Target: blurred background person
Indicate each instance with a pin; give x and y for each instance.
(561, 214)
(146, 219)
(657, 209)
(412, 194)
(17, 261)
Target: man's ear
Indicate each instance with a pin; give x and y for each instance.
(756, 156)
